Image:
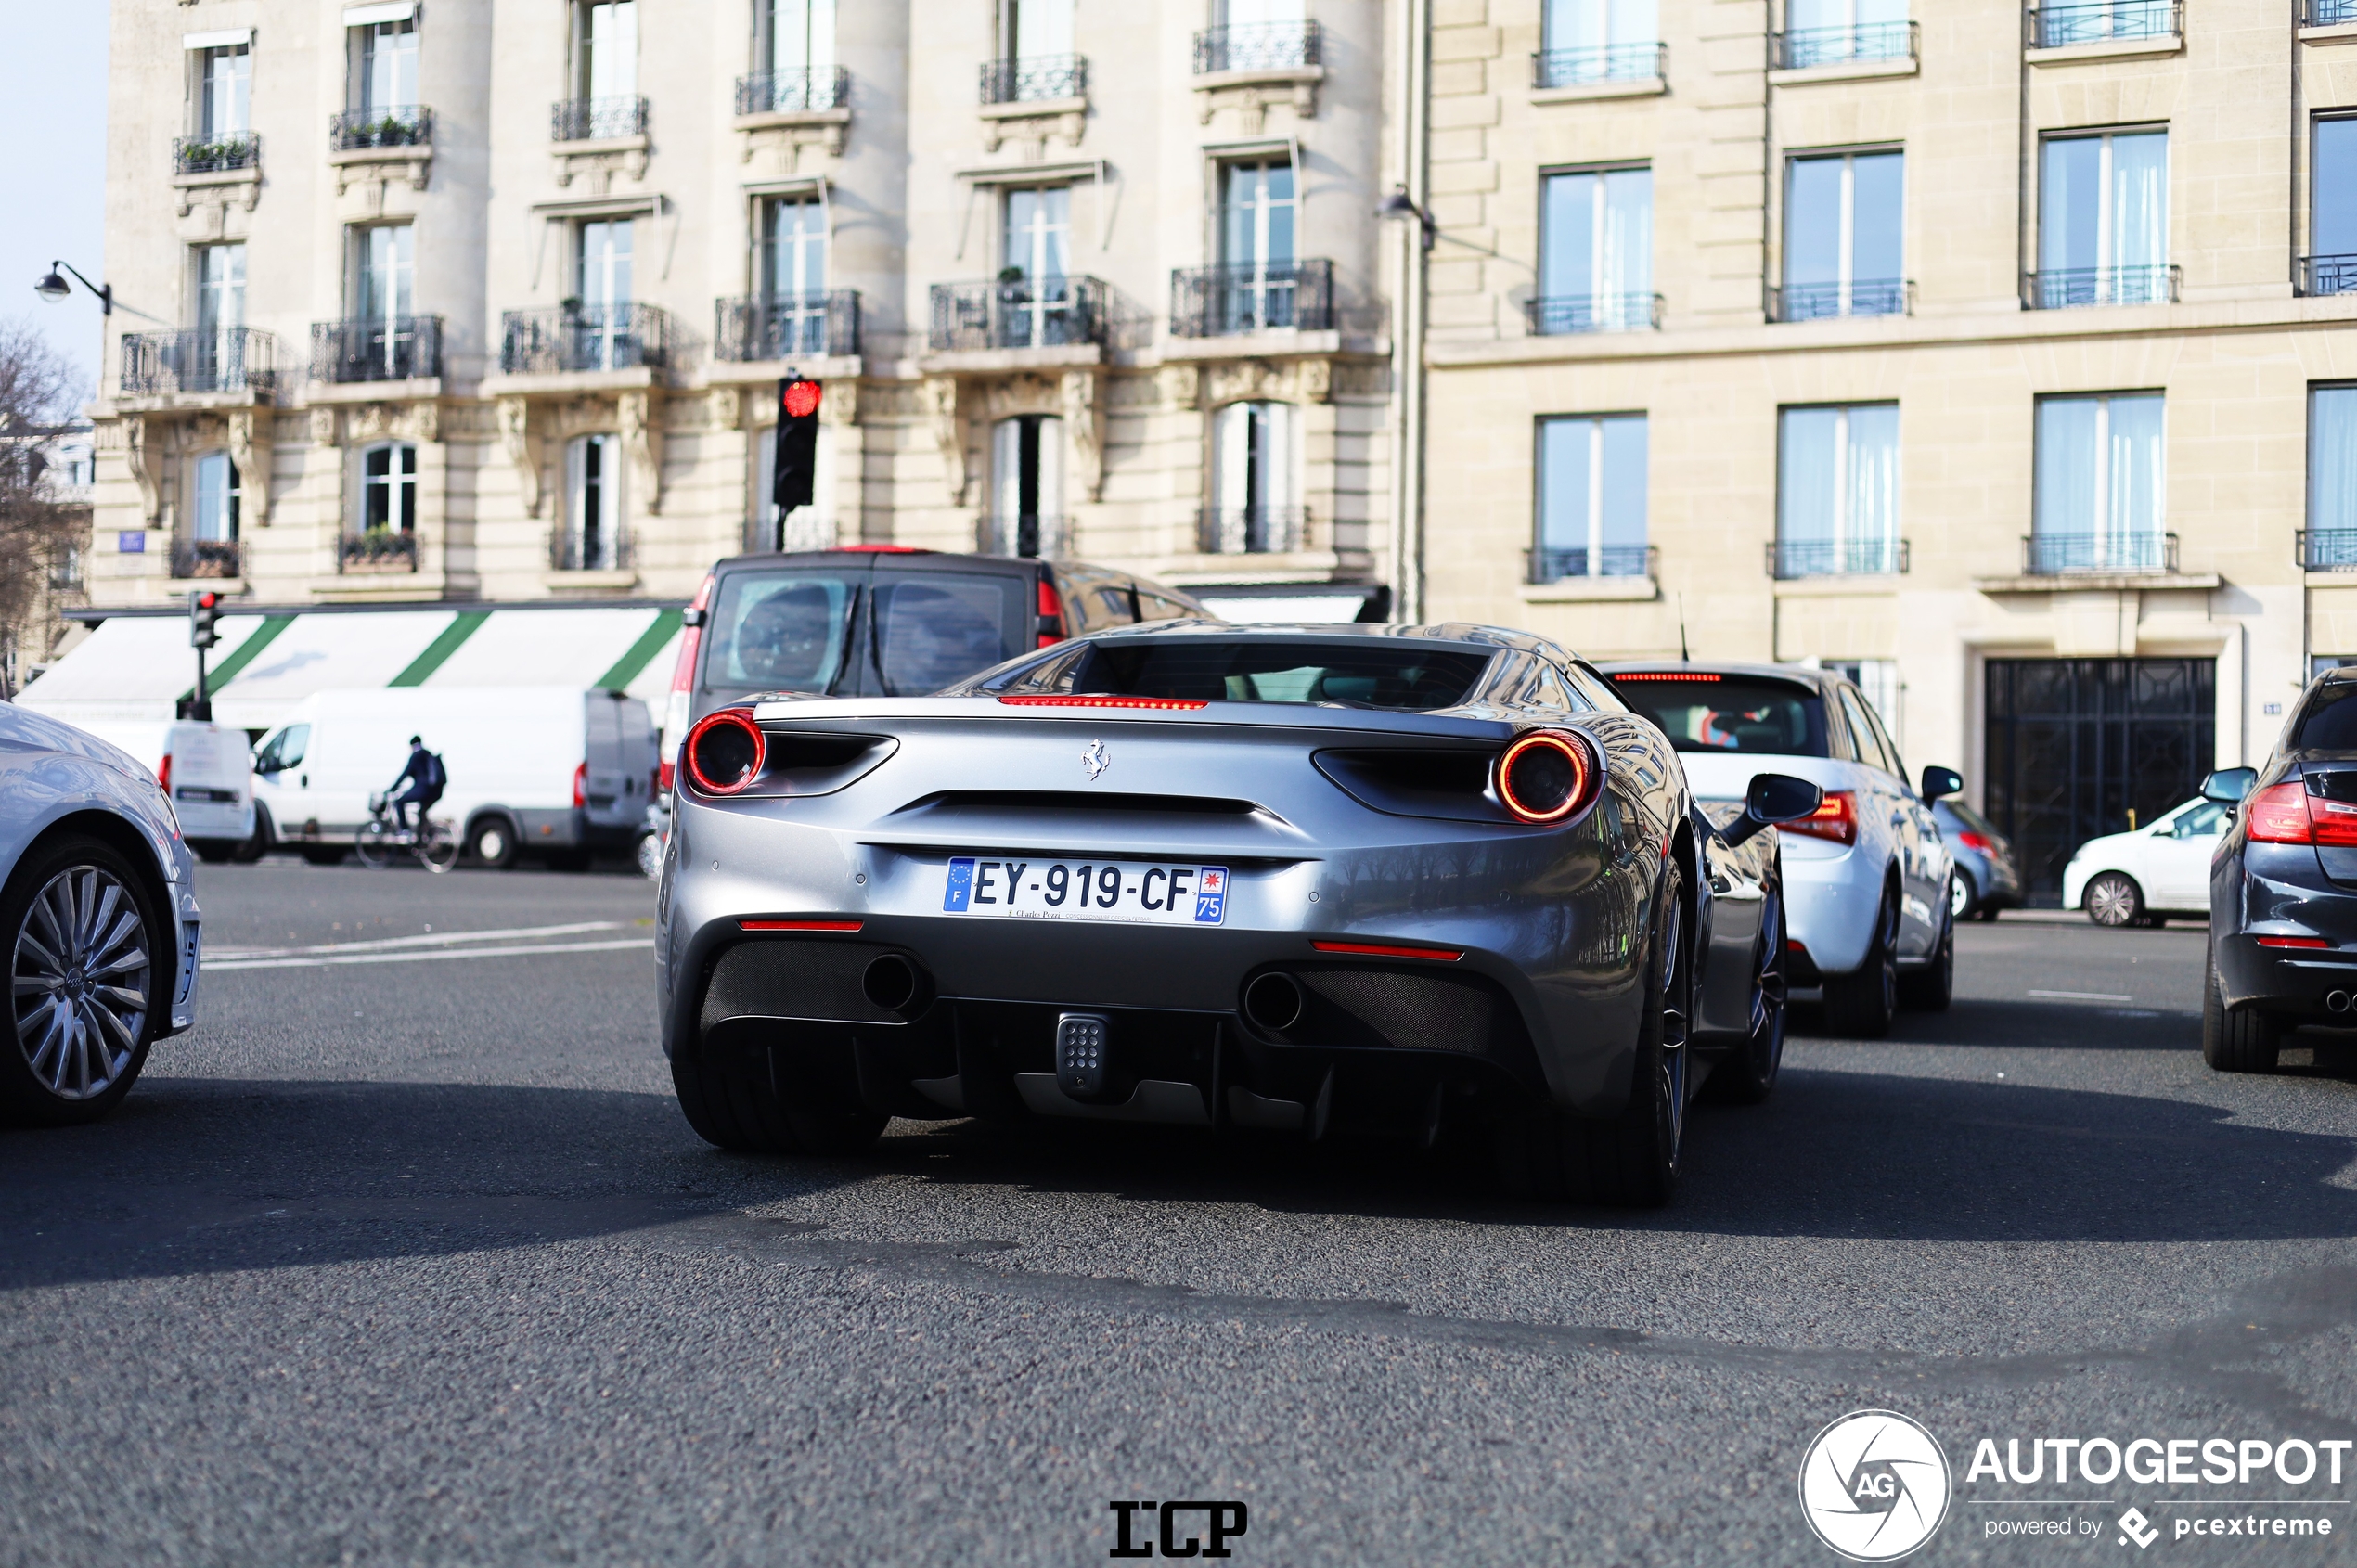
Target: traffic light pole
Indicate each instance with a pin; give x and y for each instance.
(202, 608)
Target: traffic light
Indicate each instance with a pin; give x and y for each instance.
(203, 609)
(796, 470)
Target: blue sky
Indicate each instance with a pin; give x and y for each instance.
(53, 116)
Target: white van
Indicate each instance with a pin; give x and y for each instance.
(549, 771)
(209, 774)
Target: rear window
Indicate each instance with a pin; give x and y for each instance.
(2330, 723)
(934, 630)
(1973, 821)
(779, 631)
(1370, 674)
(1701, 711)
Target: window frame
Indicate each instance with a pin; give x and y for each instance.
(1845, 277)
(2102, 449)
(1844, 539)
(1599, 484)
(396, 485)
(1601, 173)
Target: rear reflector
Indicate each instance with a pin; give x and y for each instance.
(1179, 702)
(1384, 950)
(2293, 942)
(800, 925)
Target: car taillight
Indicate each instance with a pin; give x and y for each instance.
(163, 773)
(580, 785)
(2287, 814)
(1051, 613)
(1836, 820)
(1547, 777)
(1980, 842)
(724, 751)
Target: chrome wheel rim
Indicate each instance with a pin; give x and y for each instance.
(1769, 993)
(1959, 897)
(81, 975)
(1673, 1035)
(2111, 902)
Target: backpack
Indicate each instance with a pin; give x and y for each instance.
(437, 776)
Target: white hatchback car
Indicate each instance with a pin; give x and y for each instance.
(1866, 878)
(2143, 876)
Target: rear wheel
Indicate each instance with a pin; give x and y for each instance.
(2114, 899)
(759, 1102)
(1960, 902)
(255, 844)
(440, 848)
(2246, 1040)
(492, 844)
(83, 938)
(1862, 1004)
(1749, 1075)
(1930, 989)
(651, 856)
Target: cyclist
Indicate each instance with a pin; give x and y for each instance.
(421, 783)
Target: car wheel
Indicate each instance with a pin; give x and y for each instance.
(83, 938)
(325, 855)
(1960, 902)
(492, 844)
(2114, 899)
(1862, 1004)
(1930, 989)
(759, 1103)
(651, 856)
(256, 844)
(1748, 1075)
(2244, 1041)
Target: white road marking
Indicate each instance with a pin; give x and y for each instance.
(2081, 996)
(440, 939)
(210, 965)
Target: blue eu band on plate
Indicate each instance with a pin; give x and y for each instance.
(1132, 892)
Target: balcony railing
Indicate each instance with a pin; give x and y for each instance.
(577, 337)
(204, 557)
(380, 550)
(394, 350)
(2102, 21)
(1549, 315)
(1815, 301)
(1808, 46)
(218, 359)
(1613, 62)
(1550, 565)
(594, 120)
(2326, 549)
(1038, 79)
(2065, 288)
(1251, 529)
(2045, 555)
(2328, 13)
(216, 154)
(786, 326)
(1836, 558)
(402, 125)
(1269, 45)
(1023, 313)
(1252, 297)
(2329, 275)
(609, 550)
(1048, 538)
(800, 91)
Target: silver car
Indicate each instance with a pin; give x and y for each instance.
(98, 908)
(1430, 882)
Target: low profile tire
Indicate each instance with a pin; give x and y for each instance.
(2246, 1040)
(89, 963)
(492, 844)
(1861, 1005)
(325, 855)
(1961, 903)
(215, 852)
(1748, 1077)
(1931, 989)
(755, 1102)
(2114, 900)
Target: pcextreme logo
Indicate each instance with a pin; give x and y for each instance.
(1874, 1485)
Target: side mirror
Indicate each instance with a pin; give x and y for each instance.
(1938, 781)
(2229, 785)
(1773, 798)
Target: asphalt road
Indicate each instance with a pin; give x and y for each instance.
(406, 1255)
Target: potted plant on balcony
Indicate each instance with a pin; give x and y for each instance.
(380, 549)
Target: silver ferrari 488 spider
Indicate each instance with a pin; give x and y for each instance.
(1432, 882)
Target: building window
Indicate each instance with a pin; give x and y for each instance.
(1591, 498)
(599, 313)
(1255, 479)
(794, 248)
(1595, 252)
(384, 65)
(221, 288)
(2103, 221)
(224, 92)
(1837, 492)
(1035, 299)
(1843, 218)
(2100, 496)
(1837, 31)
(1026, 486)
(2331, 543)
(389, 488)
(215, 519)
(1258, 283)
(2330, 266)
(1036, 63)
(805, 528)
(593, 537)
(606, 49)
(1598, 40)
(2058, 26)
(796, 35)
(384, 267)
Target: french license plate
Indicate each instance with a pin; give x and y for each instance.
(1135, 892)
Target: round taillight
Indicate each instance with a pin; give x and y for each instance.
(1545, 776)
(725, 753)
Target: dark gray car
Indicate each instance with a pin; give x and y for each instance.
(1986, 880)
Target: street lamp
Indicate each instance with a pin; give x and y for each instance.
(54, 289)
(1399, 205)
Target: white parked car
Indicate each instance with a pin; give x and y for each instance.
(1866, 878)
(2145, 875)
(207, 771)
(99, 913)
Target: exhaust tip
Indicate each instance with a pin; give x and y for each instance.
(2336, 1001)
(890, 983)
(1273, 1002)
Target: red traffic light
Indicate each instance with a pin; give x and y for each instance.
(207, 601)
(802, 399)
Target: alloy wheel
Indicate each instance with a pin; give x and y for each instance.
(1769, 992)
(81, 977)
(2112, 900)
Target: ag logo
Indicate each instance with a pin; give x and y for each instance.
(1874, 1485)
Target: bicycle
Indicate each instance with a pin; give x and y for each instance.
(382, 836)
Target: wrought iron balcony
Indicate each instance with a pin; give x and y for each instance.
(2328, 13)
(1614, 62)
(204, 557)
(402, 125)
(1251, 529)
(753, 327)
(609, 549)
(1806, 47)
(2102, 21)
(1271, 45)
(360, 350)
(210, 359)
(1815, 301)
(216, 154)
(800, 91)
(1830, 557)
(1020, 313)
(2045, 555)
(380, 549)
(2329, 275)
(1046, 537)
(594, 120)
(1040, 78)
(579, 337)
(1249, 297)
(2326, 549)
(1550, 316)
(1550, 565)
(2067, 286)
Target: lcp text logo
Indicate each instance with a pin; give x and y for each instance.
(1874, 1485)
(1222, 1522)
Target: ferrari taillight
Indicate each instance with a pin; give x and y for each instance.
(1547, 777)
(1836, 820)
(724, 751)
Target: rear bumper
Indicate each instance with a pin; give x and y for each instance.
(2295, 983)
(1829, 906)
